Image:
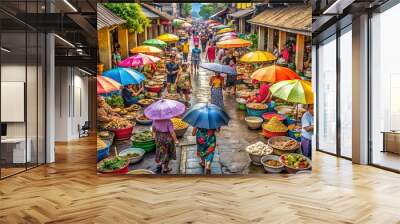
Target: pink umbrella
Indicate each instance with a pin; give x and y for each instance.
(164, 109)
(227, 38)
(138, 60)
(227, 34)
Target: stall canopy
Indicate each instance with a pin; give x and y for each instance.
(106, 18)
(220, 13)
(241, 13)
(160, 13)
(149, 14)
(293, 19)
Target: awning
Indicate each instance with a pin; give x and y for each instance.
(150, 14)
(241, 13)
(157, 11)
(293, 19)
(106, 18)
(220, 13)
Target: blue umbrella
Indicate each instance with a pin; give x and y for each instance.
(216, 67)
(206, 115)
(125, 76)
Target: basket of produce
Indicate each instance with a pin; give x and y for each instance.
(131, 116)
(103, 149)
(267, 116)
(115, 165)
(133, 155)
(258, 150)
(145, 102)
(253, 122)
(274, 127)
(284, 109)
(272, 164)
(123, 112)
(294, 162)
(141, 172)
(295, 131)
(144, 140)
(241, 103)
(256, 109)
(172, 96)
(154, 89)
(115, 101)
(143, 120)
(133, 108)
(122, 128)
(180, 127)
(283, 144)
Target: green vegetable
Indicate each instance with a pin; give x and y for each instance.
(115, 101)
(113, 164)
(143, 136)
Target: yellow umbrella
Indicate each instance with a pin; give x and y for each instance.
(146, 50)
(234, 43)
(169, 38)
(258, 56)
(225, 30)
(294, 91)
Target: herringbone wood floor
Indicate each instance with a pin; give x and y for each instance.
(69, 191)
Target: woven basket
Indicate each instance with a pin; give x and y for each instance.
(280, 151)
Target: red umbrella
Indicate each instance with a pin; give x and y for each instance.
(106, 85)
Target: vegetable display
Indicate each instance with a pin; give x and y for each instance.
(296, 161)
(115, 101)
(179, 124)
(114, 163)
(259, 149)
(143, 136)
(118, 123)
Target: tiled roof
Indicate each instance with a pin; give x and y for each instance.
(241, 13)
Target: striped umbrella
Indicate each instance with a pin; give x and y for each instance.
(106, 85)
(234, 43)
(274, 73)
(294, 91)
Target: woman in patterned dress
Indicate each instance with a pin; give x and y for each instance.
(206, 142)
(217, 84)
(164, 135)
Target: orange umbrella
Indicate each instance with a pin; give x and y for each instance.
(106, 85)
(225, 30)
(257, 56)
(146, 50)
(234, 43)
(274, 73)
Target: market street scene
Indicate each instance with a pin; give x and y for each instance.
(204, 88)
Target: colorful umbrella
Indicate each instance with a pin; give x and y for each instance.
(226, 34)
(169, 38)
(146, 50)
(164, 109)
(138, 60)
(220, 27)
(227, 38)
(294, 91)
(125, 76)
(177, 22)
(206, 115)
(258, 56)
(216, 67)
(234, 43)
(155, 43)
(225, 30)
(106, 85)
(186, 25)
(274, 73)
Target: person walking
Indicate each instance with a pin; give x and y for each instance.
(172, 69)
(307, 130)
(217, 85)
(165, 138)
(211, 52)
(203, 40)
(206, 142)
(185, 50)
(184, 83)
(196, 59)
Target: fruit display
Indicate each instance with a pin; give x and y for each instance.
(112, 164)
(115, 101)
(118, 123)
(179, 124)
(259, 149)
(274, 125)
(143, 136)
(146, 102)
(295, 161)
(133, 107)
(100, 144)
(256, 106)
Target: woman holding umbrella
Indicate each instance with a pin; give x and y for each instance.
(161, 113)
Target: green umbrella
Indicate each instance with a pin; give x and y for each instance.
(177, 22)
(155, 43)
(220, 27)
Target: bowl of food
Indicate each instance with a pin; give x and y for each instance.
(133, 155)
(143, 120)
(241, 103)
(294, 162)
(258, 150)
(256, 109)
(253, 122)
(154, 89)
(115, 165)
(145, 102)
(180, 127)
(272, 164)
(143, 140)
(283, 144)
(284, 109)
(273, 128)
(123, 112)
(133, 108)
(121, 127)
(140, 172)
(269, 115)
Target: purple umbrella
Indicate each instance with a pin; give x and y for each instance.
(164, 109)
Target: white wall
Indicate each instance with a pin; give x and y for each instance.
(71, 102)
